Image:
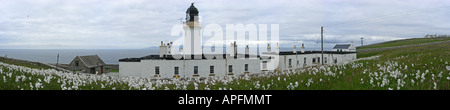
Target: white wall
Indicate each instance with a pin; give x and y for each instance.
(146, 68)
(284, 60)
(131, 69)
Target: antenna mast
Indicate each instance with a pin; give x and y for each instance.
(181, 20)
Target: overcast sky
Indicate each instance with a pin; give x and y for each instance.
(135, 24)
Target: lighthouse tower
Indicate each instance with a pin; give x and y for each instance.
(192, 27)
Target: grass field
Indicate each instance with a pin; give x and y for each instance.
(413, 68)
(404, 42)
(24, 63)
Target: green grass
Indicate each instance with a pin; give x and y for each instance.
(433, 58)
(407, 61)
(405, 42)
(367, 54)
(17, 82)
(24, 63)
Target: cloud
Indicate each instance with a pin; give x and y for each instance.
(143, 23)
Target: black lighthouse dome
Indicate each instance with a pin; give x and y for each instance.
(191, 12)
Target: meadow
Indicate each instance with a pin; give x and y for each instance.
(412, 68)
(405, 42)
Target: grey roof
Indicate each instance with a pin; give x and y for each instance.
(341, 46)
(188, 57)
(91, 61)
(312, 52)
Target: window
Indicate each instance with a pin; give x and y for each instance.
(77, 63)
(176, 70)
(298, 62)
(211, 69)
(325, 59)
(318, 59)
(335, 60)
(246, 67)
(290, 62)
(304, 60)
(314, 60)
(157, 70)
(230, 68)
(264, 64)
(195, 69)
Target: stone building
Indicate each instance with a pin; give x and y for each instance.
(87, 64)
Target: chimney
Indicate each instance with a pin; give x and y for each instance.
(303, 48)
(247, 50)
(162, 50)
(233, 50)
(294, 49)
(268, 48)
(278, 48)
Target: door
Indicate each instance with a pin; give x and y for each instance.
(92, 70)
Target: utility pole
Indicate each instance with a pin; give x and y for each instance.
(362, 41)
(321, 37)
(57, 60)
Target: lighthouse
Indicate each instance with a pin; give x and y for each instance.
(192, 27)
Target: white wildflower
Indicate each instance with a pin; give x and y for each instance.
(390, 89)
(435, 86)
(432, 77)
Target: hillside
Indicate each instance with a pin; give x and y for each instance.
(404, 42)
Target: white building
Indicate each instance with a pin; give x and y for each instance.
(299, 59)
(166, 66)
(345, 47)
(192, 63)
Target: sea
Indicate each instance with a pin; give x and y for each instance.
(109, 56)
